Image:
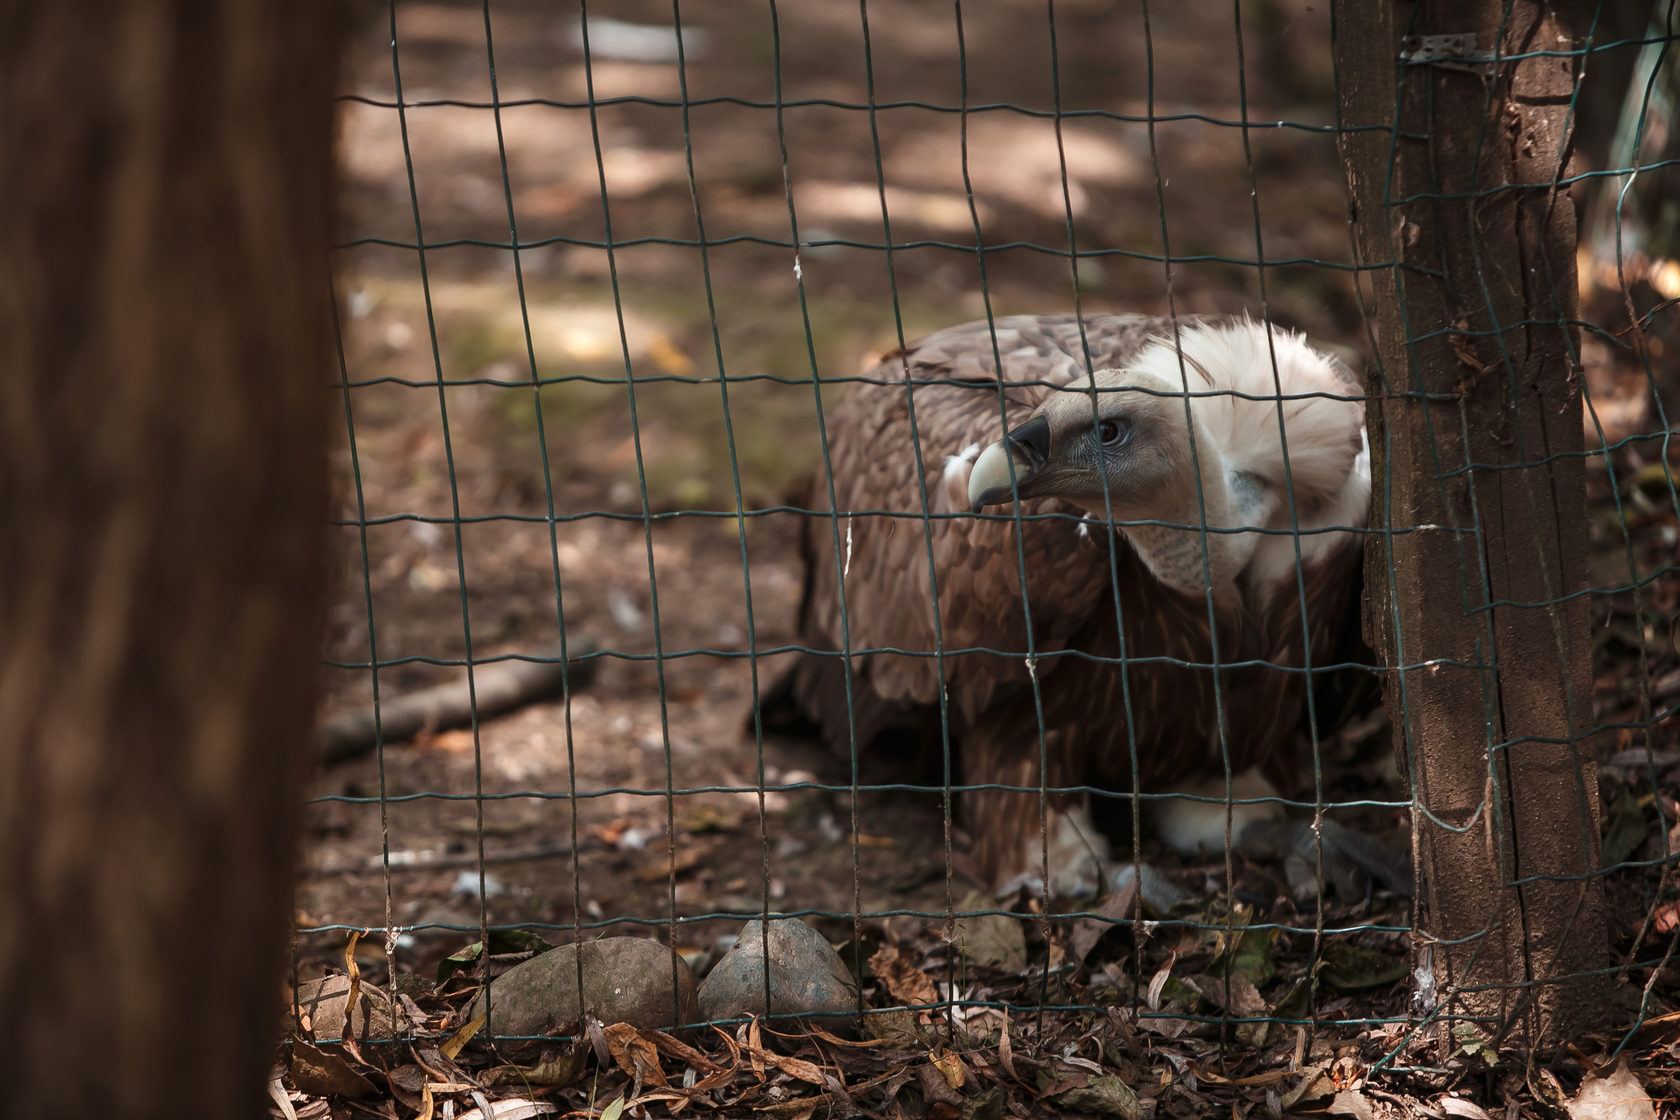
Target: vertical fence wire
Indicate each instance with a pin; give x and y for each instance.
(454, 494)
(1051, 987)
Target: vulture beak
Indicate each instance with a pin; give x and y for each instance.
(1027, 446)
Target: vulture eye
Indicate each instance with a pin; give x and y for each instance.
(1111, 431)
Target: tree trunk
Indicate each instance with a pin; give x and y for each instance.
(1476, 441)
(165, 348)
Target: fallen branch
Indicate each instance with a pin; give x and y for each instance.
(498, 688)
(433, 860)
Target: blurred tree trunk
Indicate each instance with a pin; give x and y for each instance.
(165, 201)
(1476, 433)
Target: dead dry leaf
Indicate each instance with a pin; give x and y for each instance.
(951, 1066)
(322, 1073)
(855, 1044)
(1458, 1106)
(1271, 1077)
(1315, 1083)
(354, 972)
(1234, 994)
(795, 1067)
(1350, 1103)
(1006, 1051)
(682, 1051)
(277, 1093)
(1117, 908)
(463, 1036)
(908, 984)
(1107, 1095)
(755, 1048)
(1667, 916)
(727, 1073)
(1152, 998)
(635, 1055)
(936, 1090)
(562, 1069)
(511, 1109)
(1615, 1096)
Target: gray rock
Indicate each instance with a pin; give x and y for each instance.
(321, 1006)
(625, 980)
(807, 978)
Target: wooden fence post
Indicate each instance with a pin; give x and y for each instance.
(165, 353)
(1459, 119)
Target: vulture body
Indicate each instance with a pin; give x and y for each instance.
(1123, 622)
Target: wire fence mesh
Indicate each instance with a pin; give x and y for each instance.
(612, 474)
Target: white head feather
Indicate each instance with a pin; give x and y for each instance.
(1242, 375)
(1271, 436)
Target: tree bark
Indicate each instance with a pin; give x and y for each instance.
(1476, 442)
(165, 348)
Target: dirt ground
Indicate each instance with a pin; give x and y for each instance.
(666, 548)
(667, 709)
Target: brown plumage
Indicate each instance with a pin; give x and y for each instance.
(1095, 711)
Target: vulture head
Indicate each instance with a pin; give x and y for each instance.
(1170, 463)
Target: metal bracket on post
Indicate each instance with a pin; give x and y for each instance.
(1450, 52)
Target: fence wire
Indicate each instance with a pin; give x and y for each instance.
(608, 272)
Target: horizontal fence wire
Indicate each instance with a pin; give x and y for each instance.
(637, 479)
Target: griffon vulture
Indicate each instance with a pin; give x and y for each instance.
(1125, 623)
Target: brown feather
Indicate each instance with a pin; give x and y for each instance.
(1097, 712)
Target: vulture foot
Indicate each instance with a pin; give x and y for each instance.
(1078, 856)
(1354, 863)
(1159, 893)
(1080, 864)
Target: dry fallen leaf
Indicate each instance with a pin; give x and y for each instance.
(1458, 1106)
(463, 1036)
(951, 1066)
(1118, 907)
(354, 971)
(1153, 996)
(1315, 1083)
(635, 1055)
(277, 1093)
(1615, 1096)
(796, 1067)
(561, 1069)
(1349, 1103)
(323, 1073)
(1006, 1052)
(1667, 915)
(908, 984)
(511, 1110)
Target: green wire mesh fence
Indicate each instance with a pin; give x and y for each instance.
(609, 274)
